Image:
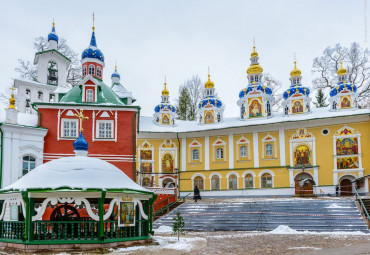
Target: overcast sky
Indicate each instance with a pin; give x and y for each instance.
(151, 39)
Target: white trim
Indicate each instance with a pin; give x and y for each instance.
(254, 178)
(196, 175)
(231, 151)
(210, 180)
(237, 179)
(282, 146)
(183, 154)
(272, 177)
(62, 129)
(206, 152)
(255, 150)
(98, 130)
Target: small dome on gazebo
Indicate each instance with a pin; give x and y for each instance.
(76, 172)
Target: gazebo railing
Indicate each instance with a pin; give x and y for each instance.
(13, 230)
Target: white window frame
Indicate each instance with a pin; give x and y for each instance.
(195, 156)
(98, 71)
(92, 67)
(63, 128)
(219, 153)
(269, 152)
(84, 71)
(88, 94)
(29, 169)
(244, 153)
(98, 122)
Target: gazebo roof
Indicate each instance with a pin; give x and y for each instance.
(76, 173)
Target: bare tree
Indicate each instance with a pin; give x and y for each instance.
(28, 71)
(275, 86)
(355, 60)
(194, 87)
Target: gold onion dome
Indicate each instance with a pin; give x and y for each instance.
(341, 70)
(165, 92)
(254, 68)
(295, 72)
(254, 54)
(209, 83)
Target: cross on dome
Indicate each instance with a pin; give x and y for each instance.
(82, 118)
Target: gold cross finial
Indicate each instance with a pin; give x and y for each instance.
(53, 23)
(12, 99)
(93, 27)
(82, 118)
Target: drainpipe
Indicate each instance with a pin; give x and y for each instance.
(39, 114)
(1, 155)
(134, 142)
(178, 163)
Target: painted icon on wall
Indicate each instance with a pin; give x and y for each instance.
(146, 167)
(167, 164)
(255, 109)
(146, 154)
(165, 119)
(209, 118)
(347, 146)
(126, 214)
(297, 106)
(302, 156)
(347, 163)
(346, 103)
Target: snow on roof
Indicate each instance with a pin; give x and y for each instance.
(147, 124)
(77, 172)
(24, 119)
(62, 90)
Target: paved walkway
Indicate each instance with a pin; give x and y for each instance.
(358, 249)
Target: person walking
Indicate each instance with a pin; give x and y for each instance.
(196, 194)
(337, 190)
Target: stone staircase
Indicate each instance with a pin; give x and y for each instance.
(264, 215)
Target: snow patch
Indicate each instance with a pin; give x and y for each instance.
(163, 229)
(283, 229)
(336, 206)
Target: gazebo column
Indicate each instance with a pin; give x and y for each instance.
(150, 209)
(29, 204)
(101, 215)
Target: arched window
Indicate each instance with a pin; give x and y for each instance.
(92, 69)
(98, 72)
(84, 72)
(40, 96)
(266, 180)
(195, 154)
(243, 151)
(219, 153)
(89, 95)
(268, 106)
(28, 164)
(52, 73)
(233, 182)
(199, 182)
(269, 149)
(215, 182)
(248, 181)
(146, 182)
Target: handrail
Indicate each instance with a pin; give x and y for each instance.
(362, 204)
(164, 200)
(186, 196)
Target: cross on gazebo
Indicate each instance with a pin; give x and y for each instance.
(82, 118)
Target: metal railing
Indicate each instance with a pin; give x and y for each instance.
(362, 204)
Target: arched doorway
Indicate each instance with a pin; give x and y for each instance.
(168, 183)
(345, 187)
(304, 185)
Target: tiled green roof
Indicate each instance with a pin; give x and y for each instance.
(106, 96)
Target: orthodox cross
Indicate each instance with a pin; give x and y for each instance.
(93, 27)
(82, 118)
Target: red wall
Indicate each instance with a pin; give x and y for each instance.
(123, 146)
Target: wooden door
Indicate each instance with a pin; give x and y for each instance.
(307, 188)
(346, 187)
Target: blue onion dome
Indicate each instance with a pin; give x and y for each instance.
(52, 35)
(296, 91)
(343, 87)
(92, 51)
(80, 143)
(165, 107)
(116, 74)
(246, 91)
(211, 101)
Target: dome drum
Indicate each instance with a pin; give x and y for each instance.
(296, 91)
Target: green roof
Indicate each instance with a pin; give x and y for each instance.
(105, 96)
(41, 52)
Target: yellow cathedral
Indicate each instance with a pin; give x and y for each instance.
(298, 151)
